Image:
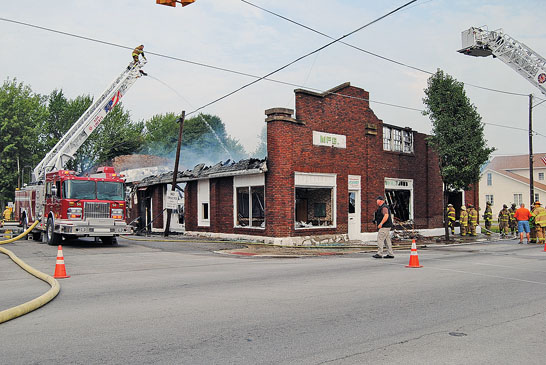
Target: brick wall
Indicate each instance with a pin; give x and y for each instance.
(290, 148)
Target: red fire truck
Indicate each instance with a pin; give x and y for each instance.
(68, 205)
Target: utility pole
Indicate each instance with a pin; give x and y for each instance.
(175, 171)
(531, 177)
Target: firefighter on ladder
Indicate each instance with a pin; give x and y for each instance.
(451, 218)
(463, 221)
(488, 217)
(138, 51)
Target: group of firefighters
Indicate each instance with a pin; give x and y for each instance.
(508, 222)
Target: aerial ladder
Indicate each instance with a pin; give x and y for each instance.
(481, 42)
(67, 146)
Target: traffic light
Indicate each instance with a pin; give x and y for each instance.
(166, 2)
(173, 2)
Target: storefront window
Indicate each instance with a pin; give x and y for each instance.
(250, 206)
(314, 207)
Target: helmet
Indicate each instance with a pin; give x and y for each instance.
(450, 205)
(504, 206)
(537, 203)
(488, 203)
(463, 208)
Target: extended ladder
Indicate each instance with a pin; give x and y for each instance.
(529, 64)
(67, 146)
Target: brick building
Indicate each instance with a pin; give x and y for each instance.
(325, 166)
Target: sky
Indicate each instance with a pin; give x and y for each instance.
(236, 36)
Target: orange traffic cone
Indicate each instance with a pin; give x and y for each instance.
(545, 247)
(60, 271)
(414, 258)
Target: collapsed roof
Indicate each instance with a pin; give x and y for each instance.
(221, 169)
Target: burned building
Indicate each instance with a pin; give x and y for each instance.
(325, 166)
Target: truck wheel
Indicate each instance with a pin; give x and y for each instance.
(52, 237)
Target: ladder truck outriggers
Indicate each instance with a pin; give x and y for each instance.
(68, 205)
(481, 42)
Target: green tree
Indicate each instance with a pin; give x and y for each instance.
(204, 139)
(457, 134)
(115, 136)
(22, 113)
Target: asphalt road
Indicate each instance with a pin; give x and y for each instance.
(180, 303)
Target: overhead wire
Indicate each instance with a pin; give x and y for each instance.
(259, 78)
(372, 53)
(304, 56)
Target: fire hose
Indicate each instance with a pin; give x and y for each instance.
(36, 303)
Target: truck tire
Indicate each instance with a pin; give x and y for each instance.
(53, 238)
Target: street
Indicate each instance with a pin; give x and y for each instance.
(181, 303)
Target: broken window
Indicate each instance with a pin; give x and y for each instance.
(397, 139)
(399, 196)
(314, 207)
(399, 203)
(250, 206)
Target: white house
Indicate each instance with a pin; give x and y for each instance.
(505, 180)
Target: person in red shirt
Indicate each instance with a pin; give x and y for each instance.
(522, 215)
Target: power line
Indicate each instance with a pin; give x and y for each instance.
(304, 56)
(371, 53)
(198, 63)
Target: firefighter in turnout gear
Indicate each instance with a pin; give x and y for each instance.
(513, 222)
(488, 217)
(540, 222)
(451, 218)
(138, 51)
(472, 219)
(504, 219)
(463, 221)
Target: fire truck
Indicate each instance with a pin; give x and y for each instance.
(66, 204)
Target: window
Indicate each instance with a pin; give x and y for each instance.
(397, 140)
(315, 200)
(352, 202)
(489, 179)
(541, 176)
(489, 199)
(537, 197)
(408, 141)
(386, 138)
(399, 195)
(313, 207)
(203, 203)
(249, 198)
(250, 206)
(518, 199)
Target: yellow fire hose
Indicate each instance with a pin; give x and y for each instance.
(33, 304)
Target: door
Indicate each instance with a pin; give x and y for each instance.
(354, 215)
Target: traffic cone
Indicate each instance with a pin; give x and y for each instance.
(414, 258)
(60, 271)
(545, 247)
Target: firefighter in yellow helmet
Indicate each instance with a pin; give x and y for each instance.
(463, 221)
(540, 222)
(472, 219)
(451, 218)
(138, 51)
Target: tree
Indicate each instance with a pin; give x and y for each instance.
(204, 139)
(457, 134)
(22, 112)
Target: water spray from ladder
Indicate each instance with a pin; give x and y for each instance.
(199, 115)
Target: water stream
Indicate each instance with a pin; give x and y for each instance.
(199, 115)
